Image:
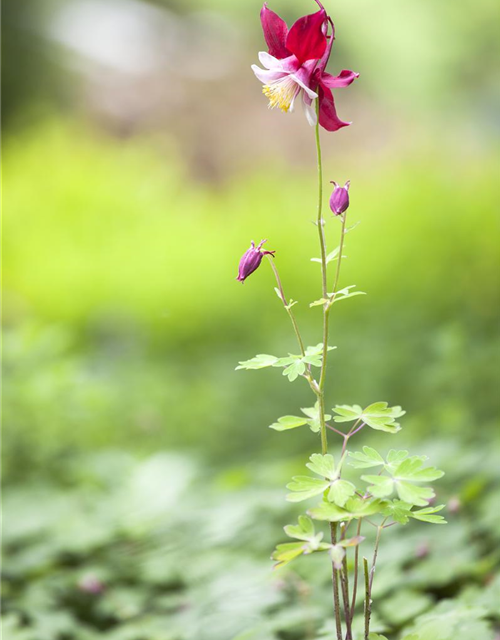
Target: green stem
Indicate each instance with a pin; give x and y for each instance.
(287, 307)
(321, 385)
(375, 553)
(344, 580)
(356, 562)
(368, 603)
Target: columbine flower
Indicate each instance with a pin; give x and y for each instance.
(251, 260)
(339, 200)
(295, 63)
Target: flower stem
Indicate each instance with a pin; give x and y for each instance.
(368, 603)
(356, 562)
(287, 306)
(320, 393)
(344, 580)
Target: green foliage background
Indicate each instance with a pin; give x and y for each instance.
(133, 452)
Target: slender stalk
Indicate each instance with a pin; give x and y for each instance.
(335, 580)
(356, 562)
(375, 554)
(368, 602)
(344, 580)
(287, 306)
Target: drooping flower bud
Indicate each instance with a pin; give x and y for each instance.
(251, 260)
(339, 200)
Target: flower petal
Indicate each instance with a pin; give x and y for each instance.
(275, 32)
(303, 78)
(310, 111)
(306, 38)
(269, 62)
(328, 118)
(266, 76)
(344, 79)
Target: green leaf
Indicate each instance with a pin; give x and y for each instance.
(355, 508)
(412, 494)
(398, 510)
(395, 457)
(343, 294)
(323, 465)
(305, 487)
(352, 542)
(329, 512)
(319, 302)
(425, 515)
(330, 257)
(380, 486)
(260, 361)
(378, 415)
(369, 458)
(286, 552)
(288, 422)
(304, 530)
(411, 469)
(313, 414)
(294, 370)
(341, 491)
(337, 553)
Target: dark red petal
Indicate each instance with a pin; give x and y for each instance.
(328, 118)
(344, 79)
(306, 38)
(275, 32)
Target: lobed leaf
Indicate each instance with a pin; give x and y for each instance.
(368, 458)
(323, 465)
(260, 361)
(341, 491)
(305, 487)
(288, 422)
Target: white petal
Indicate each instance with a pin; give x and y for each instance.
(268, 61)
(310, 111)
(267, 76)
(309, 91)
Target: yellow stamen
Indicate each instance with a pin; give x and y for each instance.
(281, 93)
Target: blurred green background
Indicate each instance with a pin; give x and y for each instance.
(143, 491)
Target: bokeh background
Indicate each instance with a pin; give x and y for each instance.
(143, 491)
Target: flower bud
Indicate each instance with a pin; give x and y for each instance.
(339, 200)
(251, 260)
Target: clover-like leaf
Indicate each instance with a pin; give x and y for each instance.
(426, 515)
(366, 459)
(323, 465)
(260, 361)
(419, 496)
(288, 422)
(398, 510)
(380, 486)
(295, 369)
(313, 417)
(378, 415)
(341, 491)
(304, 487)
(286, 552)
(304, 530)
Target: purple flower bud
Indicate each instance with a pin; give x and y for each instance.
(91, 584)
(339, 200)
(251, 260)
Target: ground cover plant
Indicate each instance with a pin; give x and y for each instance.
(295, 70)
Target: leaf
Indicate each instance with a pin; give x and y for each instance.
(381, 486)
(395, 457)
(337, 553)
(323, 465)
(341, 491)
(411, 469)
(286, 552)
(319, 302)
(355, 508)
(304, 530)
(369, 458)
(330, 257)
(425, 515)
(352, 542)
(398, 510)
(329, 512)
(288, 422)
(313, 414)
(378, 415)
(260, 361)
(294, 370)
(412, 494)
(343, 294)
(305, 487)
